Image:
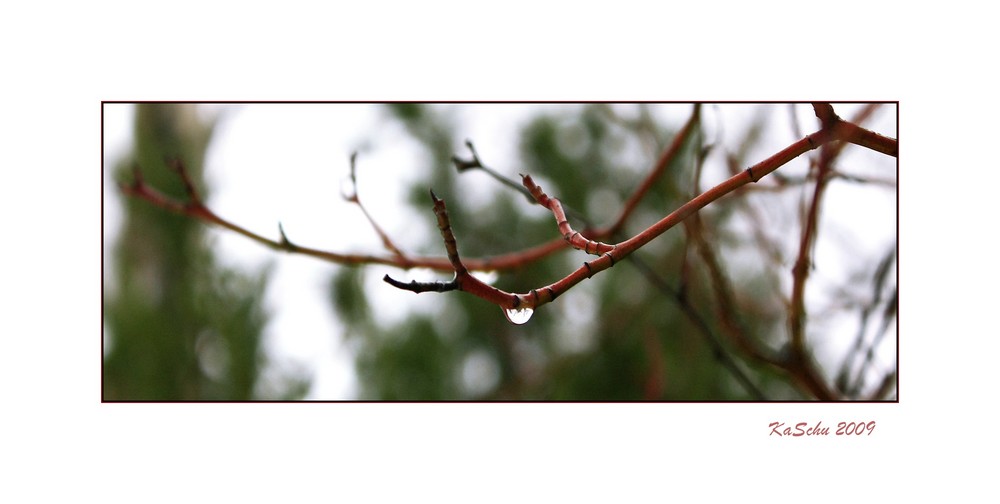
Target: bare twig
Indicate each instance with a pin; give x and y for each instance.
(196, 209)
(795, 360)
(653, 277)
(354, 197)
(546, 294)
(574, 238)
(463, 281)
(726, 308)
(718, 350)
(475, 163)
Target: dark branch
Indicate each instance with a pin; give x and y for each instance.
(418, 287)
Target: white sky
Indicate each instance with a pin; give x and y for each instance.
(286, 162)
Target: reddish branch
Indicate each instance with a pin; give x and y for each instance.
(796, 362)
(545, 294)
(195, 208)
(463, 281)
(353, 197)
(574, 238)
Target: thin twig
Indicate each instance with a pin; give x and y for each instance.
(669, 155)
(355, 198)
(475, 163)
(196, 209)
(574, 238)
(463, 281)
(569, 235)
(546, 294)
(718, 350)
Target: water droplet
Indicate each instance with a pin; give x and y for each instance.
(518, 317)
(487, 277)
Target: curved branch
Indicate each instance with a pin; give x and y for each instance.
(574, 238)
(542, 295)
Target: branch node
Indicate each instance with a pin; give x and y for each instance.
(462, 164)
(177, 166)
(826, 114)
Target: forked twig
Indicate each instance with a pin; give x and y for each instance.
(355, 198)
(795, 359)
(546, 294)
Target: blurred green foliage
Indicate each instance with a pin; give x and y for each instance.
(179, 326)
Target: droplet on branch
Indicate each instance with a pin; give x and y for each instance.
(518, 316)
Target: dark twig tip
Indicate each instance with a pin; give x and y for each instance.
(284, 237)
(354, 158)
(472, 148)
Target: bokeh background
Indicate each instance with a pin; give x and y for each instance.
(194, 312)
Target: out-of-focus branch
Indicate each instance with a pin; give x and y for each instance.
(679, 296)
(797, 359)
(668, 156)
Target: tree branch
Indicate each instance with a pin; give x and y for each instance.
(463, 281)
(574, 238)
(354, 197)
(540, 296)
(668, 156)
(196, 209)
